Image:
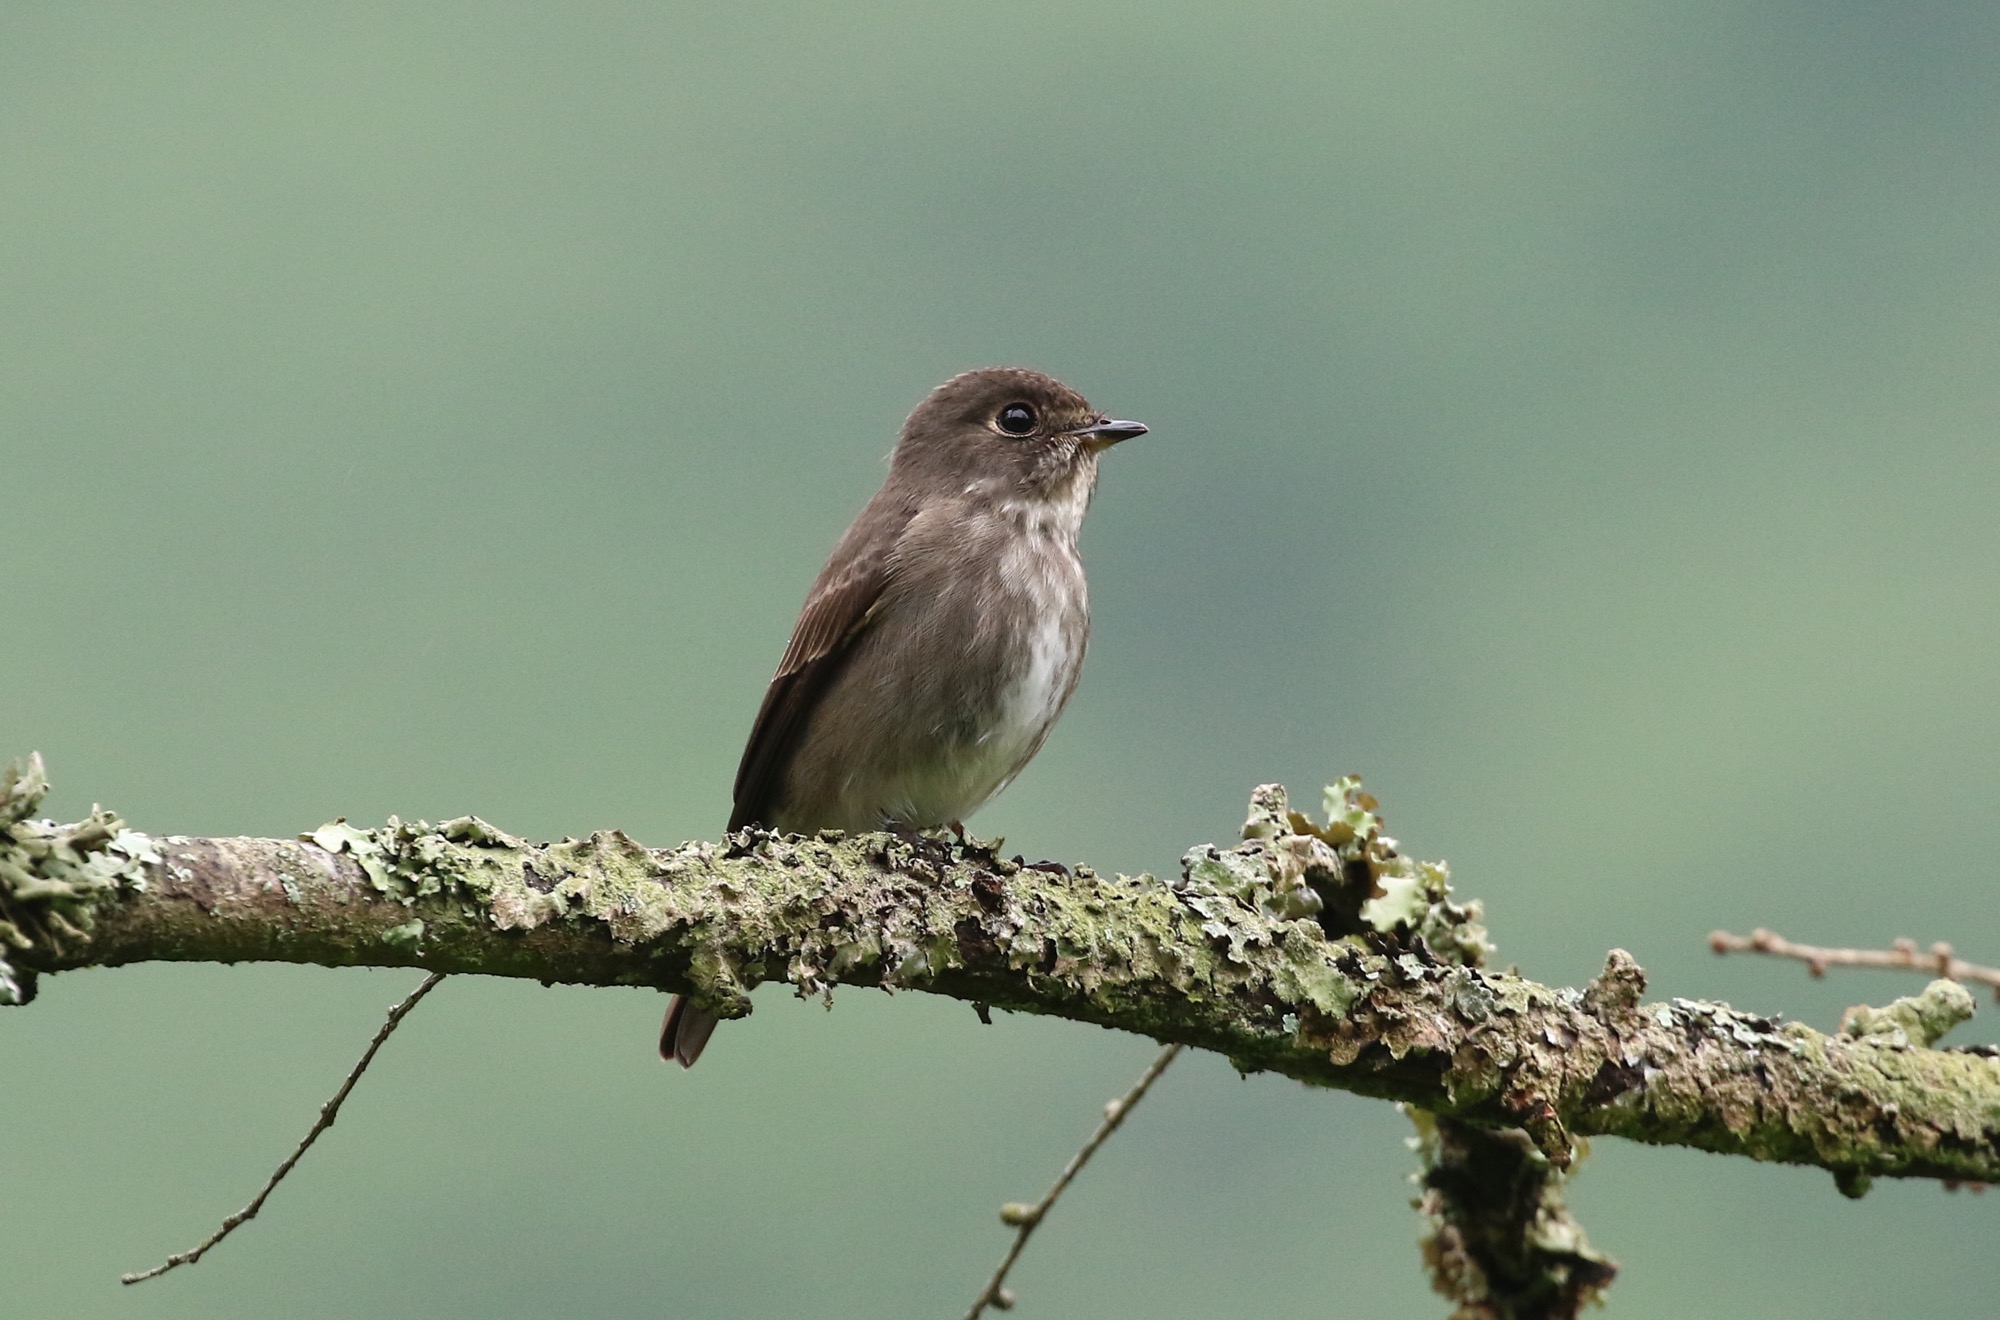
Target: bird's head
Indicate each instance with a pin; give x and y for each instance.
(1010, 433)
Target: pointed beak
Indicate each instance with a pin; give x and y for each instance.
(1106, 431)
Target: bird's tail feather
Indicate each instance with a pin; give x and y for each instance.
(685, 1031)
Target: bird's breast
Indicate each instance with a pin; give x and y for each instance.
(1043, 590)
(968, 665)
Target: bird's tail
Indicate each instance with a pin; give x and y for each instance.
(685, 1031)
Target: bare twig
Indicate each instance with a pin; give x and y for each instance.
(327, 1113)
(1901, 955)
(1026, 1218)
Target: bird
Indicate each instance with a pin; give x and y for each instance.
(943, 637)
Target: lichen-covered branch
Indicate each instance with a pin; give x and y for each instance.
(1311, 949)
(1502, 1243)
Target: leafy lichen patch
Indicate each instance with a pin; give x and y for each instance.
(1920, 1019)
(53, 876)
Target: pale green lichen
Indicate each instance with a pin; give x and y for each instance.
(1915, 1020)
(1361, 880)
(409, 860)
(53, 875)
(1341, 879)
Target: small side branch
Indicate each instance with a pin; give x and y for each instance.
(1027, 1218)
(327, 1113)
(1503, 1244)
(1901, 955)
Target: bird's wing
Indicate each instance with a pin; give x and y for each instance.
(839, 609)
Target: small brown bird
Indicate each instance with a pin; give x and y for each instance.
(943, 637)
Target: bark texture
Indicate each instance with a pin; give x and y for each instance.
(1311, 948)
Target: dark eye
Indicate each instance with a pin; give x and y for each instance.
(1016, 419)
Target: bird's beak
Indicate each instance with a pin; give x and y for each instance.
(1106, 432)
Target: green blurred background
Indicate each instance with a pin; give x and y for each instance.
(1578, 419)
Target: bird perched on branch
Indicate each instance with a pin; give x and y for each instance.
(943, 637)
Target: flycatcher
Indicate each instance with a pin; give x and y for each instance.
(943, 637)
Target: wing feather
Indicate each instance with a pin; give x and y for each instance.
(837, 611)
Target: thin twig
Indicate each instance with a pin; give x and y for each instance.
(327, 1113)
(1902, 955)
(1029, 1217)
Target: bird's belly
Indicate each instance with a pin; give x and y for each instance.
(953, 776)
(974, 712)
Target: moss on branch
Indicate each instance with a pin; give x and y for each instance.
(1312, 949)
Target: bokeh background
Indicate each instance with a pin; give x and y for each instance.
(1578, 419)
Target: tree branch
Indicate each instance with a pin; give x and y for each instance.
(1310, 950)
(1502, 1244)
(1902, 955)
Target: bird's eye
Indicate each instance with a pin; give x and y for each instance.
(1016, 419)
